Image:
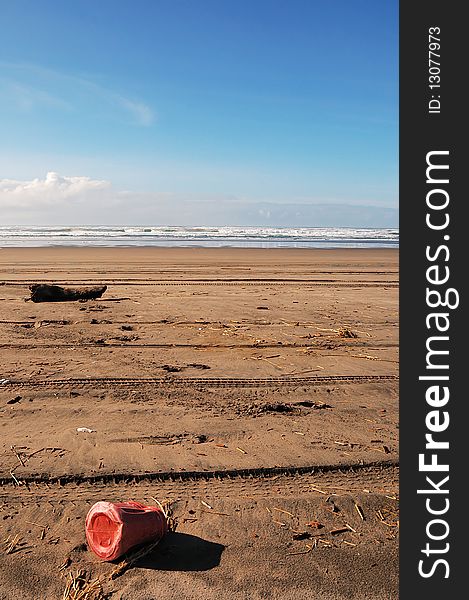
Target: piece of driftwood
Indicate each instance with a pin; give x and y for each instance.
(45, 292)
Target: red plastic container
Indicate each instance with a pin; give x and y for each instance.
(112, 529)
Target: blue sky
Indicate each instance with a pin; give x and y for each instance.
(160, 104)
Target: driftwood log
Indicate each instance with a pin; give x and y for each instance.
(44, 292)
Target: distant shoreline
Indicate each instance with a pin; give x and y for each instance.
(161, 245)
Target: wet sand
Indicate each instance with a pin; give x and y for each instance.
(262, 383)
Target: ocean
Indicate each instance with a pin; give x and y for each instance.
(245, 237)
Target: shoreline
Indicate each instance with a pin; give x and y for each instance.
(254, 246)
(150, 248)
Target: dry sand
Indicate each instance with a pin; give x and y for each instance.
(262, 383)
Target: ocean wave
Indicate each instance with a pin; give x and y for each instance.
(173, 235)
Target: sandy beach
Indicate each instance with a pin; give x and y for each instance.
(256, 389)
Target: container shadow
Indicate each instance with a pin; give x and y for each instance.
(182, 552)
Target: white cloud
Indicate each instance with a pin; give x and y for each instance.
(79, 200)
(53, 190)
(142, 113)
